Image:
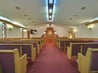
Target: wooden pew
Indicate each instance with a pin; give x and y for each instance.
(12, 62)
(0, 68)
(60, 43)
(36, 42)
(88, 63)
(17, 40)
(22, 48)
(79, 47)
(63, 43)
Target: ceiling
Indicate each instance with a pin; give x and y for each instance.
(33, 12)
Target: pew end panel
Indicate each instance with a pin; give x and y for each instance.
(33, 52)
(75, 48)
(12, 62)
(81, 63)
(88, 63)
(69, 52)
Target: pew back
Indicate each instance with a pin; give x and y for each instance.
(22, 48)
(94, 60)
(63, 44)
(80, 47)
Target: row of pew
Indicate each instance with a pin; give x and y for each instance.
(89, 62)
(12, 62)
(85, 52)
(16, 54)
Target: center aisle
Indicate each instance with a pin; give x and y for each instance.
(51, 60)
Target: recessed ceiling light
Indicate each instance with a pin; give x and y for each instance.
(83, 8)
(74, 15)
(67, 22)
(50, 10)
(70, 19)
(18, 8)
(25, 15)
(29, 18)
(33, 22)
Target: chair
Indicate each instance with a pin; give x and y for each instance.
(88, 63)
(12, 62)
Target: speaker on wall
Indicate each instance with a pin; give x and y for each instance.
(33, 31)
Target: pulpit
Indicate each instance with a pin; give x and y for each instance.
(50, 35)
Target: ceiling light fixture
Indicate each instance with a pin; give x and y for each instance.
(50, 17)
(54, 9)
(46, 1)
(50, 1)
(50, 9)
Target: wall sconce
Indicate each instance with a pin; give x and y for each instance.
(90, 26)
(25, 30)
(71, 35)
(75, 29)
(55, 32)
(44, 32)
(9, 26)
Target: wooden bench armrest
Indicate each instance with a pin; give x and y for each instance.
(23, 63)
(69, 52)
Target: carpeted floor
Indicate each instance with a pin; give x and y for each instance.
(51, 60)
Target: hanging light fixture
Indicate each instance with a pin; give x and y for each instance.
(50, 7)
(50, 1)
(50, 11)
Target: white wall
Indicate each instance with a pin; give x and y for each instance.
(14, 33)
(25, 34)
(84, 32)
(61, 31)
(0, 30)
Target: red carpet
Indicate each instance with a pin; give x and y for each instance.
(51, 60)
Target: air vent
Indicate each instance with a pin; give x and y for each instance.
(29, 18)
(25, 15)
(74, 15)
(18, 8)
(83, 8)
(70, 19)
